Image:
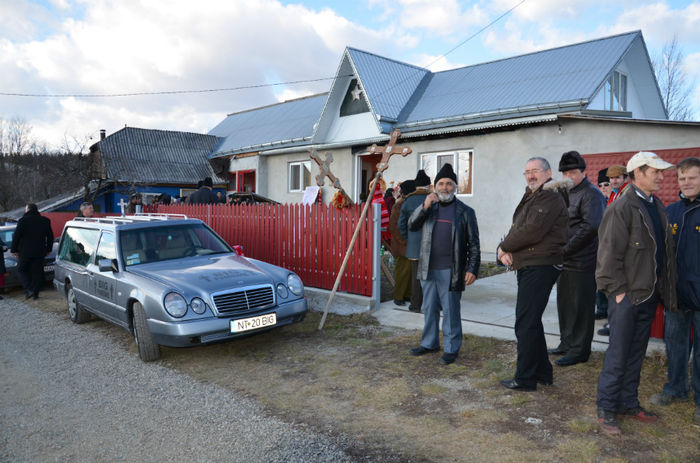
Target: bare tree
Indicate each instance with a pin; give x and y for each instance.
(676, 88)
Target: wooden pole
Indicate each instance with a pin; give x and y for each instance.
(347, 253)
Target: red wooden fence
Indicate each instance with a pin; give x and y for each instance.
(309, 240)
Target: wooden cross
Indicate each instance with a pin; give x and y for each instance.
(324, 167)
(122, 204)
(389, 150)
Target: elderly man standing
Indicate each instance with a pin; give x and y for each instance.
(636, 269)
(576, 289)
(534, 246)
(680, 326)
(449, 260)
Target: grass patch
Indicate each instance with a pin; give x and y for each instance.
(579, 450)
(580, 426)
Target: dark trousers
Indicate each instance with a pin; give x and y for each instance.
(402, 272)
(629, 336)
(416, 290)
(678, 328)
(534, 287)
(576, 308)
(31, 274)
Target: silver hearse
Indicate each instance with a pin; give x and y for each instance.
(170, 280)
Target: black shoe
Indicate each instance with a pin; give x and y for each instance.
(515, 385)
(605, 330)
(566, 361)
(27, 295)
(600, 315)
(413, 308)
(446, 358)
(608, 422)
(545, 382)
(556, 351)
(399, 302)
(420, 350)
(35, 296)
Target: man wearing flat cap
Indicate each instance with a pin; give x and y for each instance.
(576, 285)
(636, 269)
(449, 260)
(618, 181)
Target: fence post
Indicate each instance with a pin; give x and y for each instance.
(376, 256)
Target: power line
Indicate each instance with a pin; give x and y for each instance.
(171, 92)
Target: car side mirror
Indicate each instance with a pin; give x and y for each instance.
(107, 265)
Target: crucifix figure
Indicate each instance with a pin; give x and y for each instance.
(389, 150)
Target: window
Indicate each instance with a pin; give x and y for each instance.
(299, 175)
(461, 163)
(354, 101)
(615, 92)
(105, 249)
(77, 245)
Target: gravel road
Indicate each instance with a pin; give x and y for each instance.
(70, 394)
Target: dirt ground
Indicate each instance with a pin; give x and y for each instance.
(356, 378)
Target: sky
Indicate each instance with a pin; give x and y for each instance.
(68, 51)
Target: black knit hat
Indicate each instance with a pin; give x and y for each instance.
(571, 160)
(446, 172)
(422, 179)
(602, 176)
(407, 187)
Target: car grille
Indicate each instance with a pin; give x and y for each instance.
(244, 300)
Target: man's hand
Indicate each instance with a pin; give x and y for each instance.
(429, 200)
(506, 258)
(620, 297)
(16, 255)
(469, 278)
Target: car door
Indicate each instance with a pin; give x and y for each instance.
(77, 246)
(103, 284)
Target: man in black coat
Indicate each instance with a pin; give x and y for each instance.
(449, 260)
(204, 195)
(31, 242)
(576, 289)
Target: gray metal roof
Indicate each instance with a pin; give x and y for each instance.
(288, 123)
(558, 76)
(158, 156)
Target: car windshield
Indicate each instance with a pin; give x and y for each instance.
(6, 236)
(155, 244)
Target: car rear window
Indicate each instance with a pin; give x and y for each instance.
(154, 244)
(78, 244)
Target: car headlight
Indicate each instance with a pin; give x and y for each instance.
(295, 285)
(198, 305)
(175, 305)
(282, 291)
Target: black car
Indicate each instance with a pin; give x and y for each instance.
(11, 277)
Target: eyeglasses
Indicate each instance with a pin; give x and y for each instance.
(532, 172)
(604, 184)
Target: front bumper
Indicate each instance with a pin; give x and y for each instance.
(214, 329)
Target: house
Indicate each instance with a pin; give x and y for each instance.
(150, 162)
(598, 96)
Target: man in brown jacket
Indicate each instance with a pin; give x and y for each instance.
(402, 266)
(636, 270)
(534, 247)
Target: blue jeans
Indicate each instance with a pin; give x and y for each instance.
(677, 329)
(436, 295)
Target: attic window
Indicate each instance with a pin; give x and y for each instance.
(354, 101)
(615, 92)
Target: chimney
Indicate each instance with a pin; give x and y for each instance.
(103, 133)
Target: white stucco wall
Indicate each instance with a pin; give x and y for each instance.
(499, 160)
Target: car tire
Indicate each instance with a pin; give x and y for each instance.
(148, 350)
(76, 314)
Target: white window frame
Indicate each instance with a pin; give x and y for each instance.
(428, 162)
(302, 185)
(617, 83)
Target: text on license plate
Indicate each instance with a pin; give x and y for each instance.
(48, 268)
(253, 323)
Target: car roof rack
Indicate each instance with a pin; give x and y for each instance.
(139, 217)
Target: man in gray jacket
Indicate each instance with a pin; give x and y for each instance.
(576, 288)
(636, 270)
(413, 201)
(449, 261)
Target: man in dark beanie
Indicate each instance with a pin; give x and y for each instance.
(204, 195)
(31, 242)
(576, 289)
(413, 201)
(449, 261)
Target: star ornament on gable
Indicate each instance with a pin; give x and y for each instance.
(356, 93)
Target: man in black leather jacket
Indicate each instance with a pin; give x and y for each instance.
(449, 260)
(576, 288)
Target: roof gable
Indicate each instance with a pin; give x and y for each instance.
(157, 156)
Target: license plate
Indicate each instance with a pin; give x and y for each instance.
(48, 268)
(253, 323)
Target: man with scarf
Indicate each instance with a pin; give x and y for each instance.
(534, 247)
(449, 260)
